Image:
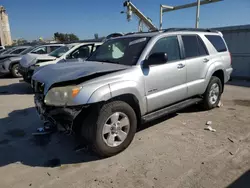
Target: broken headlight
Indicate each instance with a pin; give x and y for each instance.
(60, 96)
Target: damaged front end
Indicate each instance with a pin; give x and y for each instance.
(60, 117)
(60, 92)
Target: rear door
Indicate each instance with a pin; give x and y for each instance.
(197, 57)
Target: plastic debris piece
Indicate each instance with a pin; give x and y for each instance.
(209, 123)
(231, 140)
(80, 148)
(219, 104)
(209, 128)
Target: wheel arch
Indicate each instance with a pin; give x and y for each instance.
(220, 74)
(12, 64)
(131, 100)
(217, 70)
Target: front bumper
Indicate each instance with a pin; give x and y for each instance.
(4, 69)
(61, 117)
(26, 73)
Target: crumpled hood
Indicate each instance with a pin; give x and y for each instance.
(31, 59)
(63, 72)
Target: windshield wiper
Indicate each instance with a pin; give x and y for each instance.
(108, 61)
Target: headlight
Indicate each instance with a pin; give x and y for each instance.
(59, 96)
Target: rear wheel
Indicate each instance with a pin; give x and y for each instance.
(213, 93)
(15, 71)
(112, 130)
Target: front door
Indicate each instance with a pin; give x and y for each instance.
(165, 84)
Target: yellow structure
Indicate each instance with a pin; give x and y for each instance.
(5, 36)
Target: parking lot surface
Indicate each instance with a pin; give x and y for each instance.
(174, 151)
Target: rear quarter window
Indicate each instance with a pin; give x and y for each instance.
(217, 42)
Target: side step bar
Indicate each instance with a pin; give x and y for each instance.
(170, 109)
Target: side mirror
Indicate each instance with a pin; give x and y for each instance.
(156, 59)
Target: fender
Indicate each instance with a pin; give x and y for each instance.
(211, 70)
(133, 88)
(101, 94)
(116, 89)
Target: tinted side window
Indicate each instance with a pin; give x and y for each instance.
(40, 50)
(191, 46)
(18, 51)
(202, 47)
(217, 42)
(52, 48)
(169, 45)
(82, 52)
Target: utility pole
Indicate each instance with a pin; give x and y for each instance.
(198, 14)
(166, 8)
(132, 9)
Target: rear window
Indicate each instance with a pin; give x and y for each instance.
(217, 42)
(194, 46)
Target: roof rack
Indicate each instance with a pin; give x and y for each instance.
(189, 29)
(141, 32)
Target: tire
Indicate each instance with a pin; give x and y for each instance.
(211, 97)
(93, 130)
(14, 71)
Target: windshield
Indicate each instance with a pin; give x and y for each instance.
(60, 51)
(2, 50)
(124, 51)
(28, 50)
(8, 51)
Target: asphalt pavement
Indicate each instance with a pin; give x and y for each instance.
(174, 151)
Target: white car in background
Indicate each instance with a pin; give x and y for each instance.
(80, 51)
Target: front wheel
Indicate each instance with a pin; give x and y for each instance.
(112, 130)
(213, 93)
(15, 71)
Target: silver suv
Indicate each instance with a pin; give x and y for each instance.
(130, 80)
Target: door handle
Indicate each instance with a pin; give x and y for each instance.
(180, 66)
(205, 60)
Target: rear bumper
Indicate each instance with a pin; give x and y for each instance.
(228, 74)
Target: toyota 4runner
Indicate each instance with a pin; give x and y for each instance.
(130, 80)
